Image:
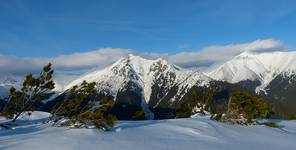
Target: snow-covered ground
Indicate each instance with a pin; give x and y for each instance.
(178, 134)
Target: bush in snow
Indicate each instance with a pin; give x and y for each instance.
(78, 100)
(102, 117)
(81, 104)
(243, 108)
(292, 117)
(217, 117)
(196, 104)
(249, 106)
(139, 115)
(271, 124)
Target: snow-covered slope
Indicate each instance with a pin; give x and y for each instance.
(176, 134)
(257, 66)
(143, 72)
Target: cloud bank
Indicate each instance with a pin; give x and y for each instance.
(215, 55)
(72, 65)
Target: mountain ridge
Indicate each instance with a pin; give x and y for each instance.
(158, 87)
(264, 67)
(151, 77)
(143, 70)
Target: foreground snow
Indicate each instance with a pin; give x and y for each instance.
(179, 134)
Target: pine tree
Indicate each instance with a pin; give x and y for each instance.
(81, 104)
(209, 100)
(33, 90)
(247, 105)
(80, 99)
(106, 119)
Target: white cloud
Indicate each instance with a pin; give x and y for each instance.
(85, 60)
(66, 67)
(69, 66)
(214, 55)
(97, 58)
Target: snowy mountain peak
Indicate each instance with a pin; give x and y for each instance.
(144, 78)
(143, 71)
(245, 54)
(256, 66)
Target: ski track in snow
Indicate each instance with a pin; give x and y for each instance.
(176, 134)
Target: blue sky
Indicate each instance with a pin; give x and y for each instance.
(53, 27)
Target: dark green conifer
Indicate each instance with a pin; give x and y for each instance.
(33, 90)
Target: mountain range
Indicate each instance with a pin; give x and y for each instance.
(158, 87)
(271, 75)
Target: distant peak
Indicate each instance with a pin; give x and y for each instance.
(140, 58)
(161, 59)
(132, 55)
(275, 54)
(246, 54)
(135, 57)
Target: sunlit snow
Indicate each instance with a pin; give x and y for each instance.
(177, 134)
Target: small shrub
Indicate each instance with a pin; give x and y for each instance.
(105, 123)
(111, 120)
(292, 117)
(97, 115)
(242, 104)
(184, 110)
(67, 123)
(81, 105)
(99, 124)
(196, 104)
(139, 115)
(217, 117)
(85, 115)
(271, 124)
(78, 126)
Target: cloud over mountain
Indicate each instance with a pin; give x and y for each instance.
(78, 63)
(214, 55)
